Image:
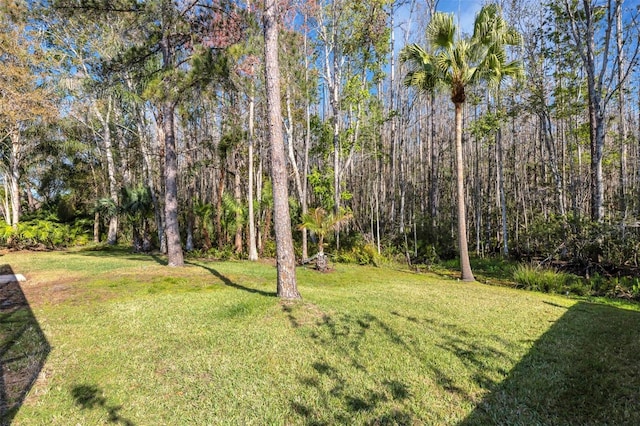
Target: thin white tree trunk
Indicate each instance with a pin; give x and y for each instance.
(6, 208)
(112, 236)
(253, 251)
(622, 129)
(14, 176)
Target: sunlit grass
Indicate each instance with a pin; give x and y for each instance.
(135, 342)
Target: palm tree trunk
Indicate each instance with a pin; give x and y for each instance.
(465, 265)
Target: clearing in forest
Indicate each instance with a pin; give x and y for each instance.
(120, 338)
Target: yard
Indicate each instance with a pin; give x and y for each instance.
(109, 337)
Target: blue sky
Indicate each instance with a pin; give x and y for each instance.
(463, 10)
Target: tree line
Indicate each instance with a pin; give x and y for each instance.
(226, 127)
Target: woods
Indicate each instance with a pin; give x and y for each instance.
(165, 125)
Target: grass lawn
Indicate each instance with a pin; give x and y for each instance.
(114, 338)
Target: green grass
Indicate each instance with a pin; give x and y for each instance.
(134, 342)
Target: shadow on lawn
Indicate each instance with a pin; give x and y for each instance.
(226, 281)
(120, 253)
(90, 397)
(375, 401)
(23, 348)
(583, 370)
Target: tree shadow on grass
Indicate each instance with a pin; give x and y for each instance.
(229, 283)
(90, 397)
(344, 391)
(583, 371)
(23, 348)
(120, 253)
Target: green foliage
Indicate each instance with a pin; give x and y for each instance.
(223, 253)
(360, 254)
(486, 124)
(321, 184)
(49, 234)
(231, 140)
(234, 213)
(204, 212)
(434, 242)
(456, 63)
(614, 287)
(106, 207)
(137, 203)
(582, 241)
(268, 249)
(547, 280)
(266, 200)
(319, 222)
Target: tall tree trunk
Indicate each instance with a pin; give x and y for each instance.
(96, 227)
(596, 118)
(6, 208)
(172, 229)
(550, 144)
(297, 179)
(393, 146)
(333, 74)
(112, 236)
(32, 203)
(14, 176)
(465, 264)
(148, 166)
(218, 218)
(287, 287)
(237, 195)
(307, 142)
(503, 200)
(336, 154)
(433, 161)
(253, 251)
(585, 43)
(622, 129)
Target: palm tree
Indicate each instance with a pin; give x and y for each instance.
(320, 223)
(104, 207)
(138, 208)
(456, 64)
(204, 211)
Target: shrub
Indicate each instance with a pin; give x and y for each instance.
(41, 233)
(547, 280)
(224, 253)
(268, 248)
(361, 254)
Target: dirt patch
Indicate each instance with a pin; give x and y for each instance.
(42, 291)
